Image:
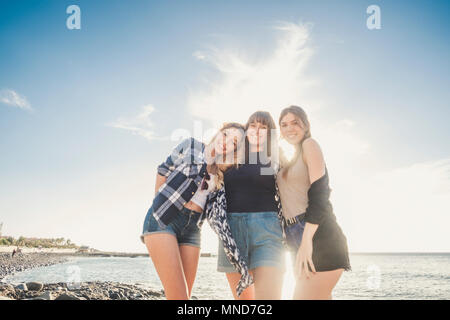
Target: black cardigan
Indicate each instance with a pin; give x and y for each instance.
(319, 205)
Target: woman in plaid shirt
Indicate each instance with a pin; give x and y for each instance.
(171, 229)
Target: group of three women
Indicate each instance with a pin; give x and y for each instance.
(257, 205)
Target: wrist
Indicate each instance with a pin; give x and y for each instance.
(308, 234)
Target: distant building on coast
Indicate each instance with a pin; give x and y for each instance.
(85, 249)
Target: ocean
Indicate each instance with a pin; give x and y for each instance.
(373, 276)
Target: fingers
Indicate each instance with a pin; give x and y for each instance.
(311, 264)
(306, 269)
(303, 266)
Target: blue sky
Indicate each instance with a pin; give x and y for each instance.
(86, 115)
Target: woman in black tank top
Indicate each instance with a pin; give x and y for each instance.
(252, 213)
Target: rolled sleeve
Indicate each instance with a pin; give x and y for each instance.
(174, 159)
(166, 168)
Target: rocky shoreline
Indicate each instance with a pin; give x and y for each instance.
(24, 261)
(82, 291)
(63, 291)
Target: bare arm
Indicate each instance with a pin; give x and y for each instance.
(313, 157)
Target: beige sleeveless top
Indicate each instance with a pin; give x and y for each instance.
(294, 188)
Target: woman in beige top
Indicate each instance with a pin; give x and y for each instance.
(316, 241)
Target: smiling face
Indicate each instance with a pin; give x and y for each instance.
(257, 134)
(227, 141)
(292, 128)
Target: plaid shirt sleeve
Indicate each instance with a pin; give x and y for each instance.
(174, 159)
(184, 169)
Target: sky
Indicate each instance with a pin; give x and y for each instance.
(87, 114)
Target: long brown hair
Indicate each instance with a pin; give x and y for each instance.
(220, 168)
(302, 116)
(264, 118)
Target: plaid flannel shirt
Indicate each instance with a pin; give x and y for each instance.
(184, 169)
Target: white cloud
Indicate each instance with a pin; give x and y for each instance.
(140, 124)
(199, 55)
(13, 99)
(379, 208)
(245, 85)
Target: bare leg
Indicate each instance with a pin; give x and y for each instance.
(318, 286)
(189, 258)
(233, 280)
(268, 283)
(164, 252)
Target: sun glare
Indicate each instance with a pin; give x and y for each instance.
(287, 148)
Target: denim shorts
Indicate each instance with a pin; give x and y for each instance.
(183, 227)
(259, 239)
(294, 234)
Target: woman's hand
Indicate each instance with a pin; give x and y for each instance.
(304, 254)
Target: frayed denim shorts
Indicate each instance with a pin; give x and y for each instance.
(294, 235)
(259, 239)
(183, 227)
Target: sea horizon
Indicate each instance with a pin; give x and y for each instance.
(412, 275)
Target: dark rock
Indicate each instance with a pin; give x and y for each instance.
(21, 286)
(34, 286)
(47, 295)
(115, 296)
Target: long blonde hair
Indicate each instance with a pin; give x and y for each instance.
(220, 168)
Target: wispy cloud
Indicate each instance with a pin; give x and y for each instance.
(13, 99)
(243, 85)
(380, 208)
(140, 124)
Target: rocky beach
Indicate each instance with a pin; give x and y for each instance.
(62, 291)
(83, 291)
(24, 261)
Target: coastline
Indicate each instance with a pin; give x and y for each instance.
(27, 260)
(83, 291)
(97, 290)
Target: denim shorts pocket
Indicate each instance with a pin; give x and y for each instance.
(294, 234)
(273, 226)
(189, 223)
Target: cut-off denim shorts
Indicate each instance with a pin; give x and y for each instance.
(294, 234)
(259, 239)
(183, 227)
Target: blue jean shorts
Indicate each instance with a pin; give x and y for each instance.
(294, 234)
(259, 239)
(183, 227)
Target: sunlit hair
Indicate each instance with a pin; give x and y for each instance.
(264, 118)
(219, 166)
(301, 115)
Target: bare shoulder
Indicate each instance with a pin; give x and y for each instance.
(313, 157)
(311, 147)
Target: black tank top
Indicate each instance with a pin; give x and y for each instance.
(249, 190)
